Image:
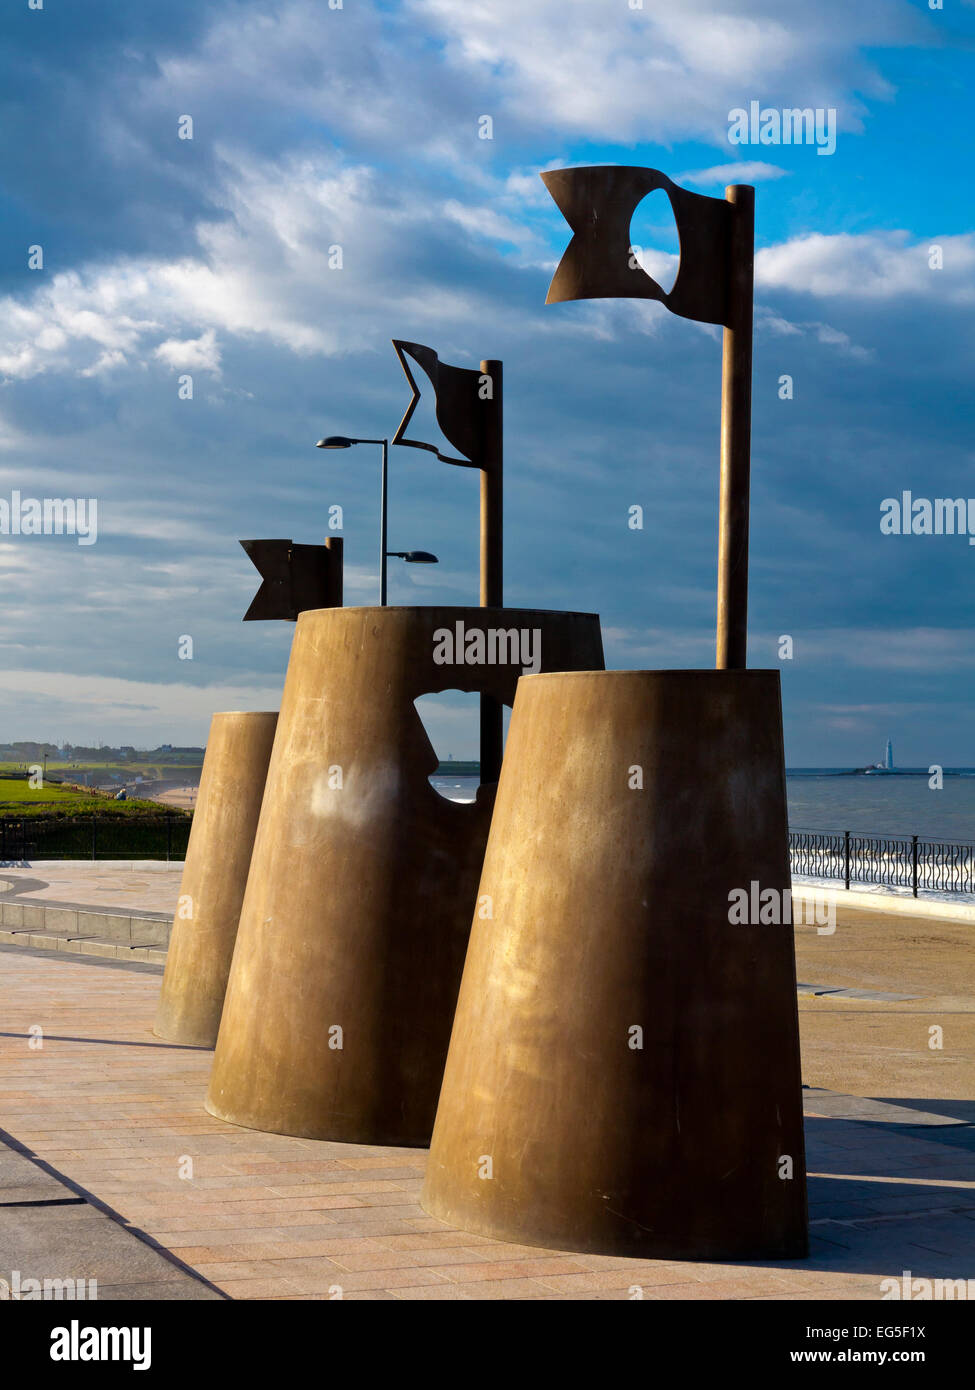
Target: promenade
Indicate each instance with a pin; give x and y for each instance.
(158, 1199)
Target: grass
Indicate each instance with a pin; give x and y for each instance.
(53, 822)
(19, 798)
(14, 792)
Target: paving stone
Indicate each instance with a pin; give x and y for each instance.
(155, 1292)
(49, 1243)
(114, 1108)
(23, 1181)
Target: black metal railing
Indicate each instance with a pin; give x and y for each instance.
(93, 837)
(905, 861)
(898, 861)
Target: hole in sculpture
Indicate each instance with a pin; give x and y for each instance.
(452, 720)
(654, 240)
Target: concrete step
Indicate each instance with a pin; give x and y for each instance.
(119, 950)
(106, 947)
(70, 923)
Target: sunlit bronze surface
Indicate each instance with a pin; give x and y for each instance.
(559, 1124)
(364, 879)
(214, 877)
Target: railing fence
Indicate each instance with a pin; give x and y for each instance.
(905, 861)
(93, 837)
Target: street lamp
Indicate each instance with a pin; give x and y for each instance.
(341, 441)
(412, 557)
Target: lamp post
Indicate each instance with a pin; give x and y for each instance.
(341, 441)
(414, 557)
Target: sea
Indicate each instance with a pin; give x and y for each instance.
(834, 799)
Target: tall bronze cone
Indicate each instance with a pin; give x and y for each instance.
(211, 892)
(623, 1075)
(364, 879)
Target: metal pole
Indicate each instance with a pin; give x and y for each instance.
(492, 552)
(492, 486)
(846, 856)
(382, 526)
(736, 426)
(914, 861)
(335, 566)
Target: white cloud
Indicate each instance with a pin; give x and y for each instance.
(265, 271)
(308, 249)
(88, 705)
(667, 71)
(749, 171)
(871, 265)
(195, 354)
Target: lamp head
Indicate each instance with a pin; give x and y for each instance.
(335, 441)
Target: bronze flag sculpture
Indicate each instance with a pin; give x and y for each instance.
(294, 577)
(469, 408)
(713, 285)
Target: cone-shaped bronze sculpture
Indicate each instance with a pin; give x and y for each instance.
(623, 1074)
(218, 857)
(364, 879)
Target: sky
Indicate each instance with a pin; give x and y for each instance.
(361, 126)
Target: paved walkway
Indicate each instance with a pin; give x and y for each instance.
(120, 1114)
(52, 1233)
(138, 885)
(917, 1042)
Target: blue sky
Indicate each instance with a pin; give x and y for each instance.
(359, 127)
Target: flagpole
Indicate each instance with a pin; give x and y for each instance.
(492, 554)
(384, 489)
(736, 424)
(334, 572)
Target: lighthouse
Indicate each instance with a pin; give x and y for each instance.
(889, 757)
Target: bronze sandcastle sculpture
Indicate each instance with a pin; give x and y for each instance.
(623, 1074)
(623, 1069)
